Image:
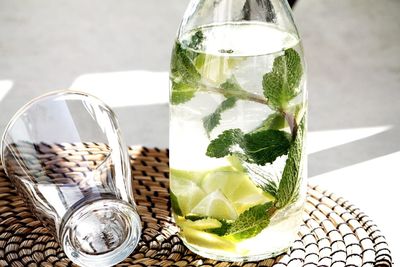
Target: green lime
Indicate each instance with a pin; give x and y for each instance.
(215, 205)
(216, 68)
(187, 192)
(195, 176)
(207, 223)
(206, 240)
(236, 163)
(237, 187)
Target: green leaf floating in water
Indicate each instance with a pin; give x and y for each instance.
(251, 222)
(271, 187)
(282, 84)
(265, 146)
(184, 75)
(221, 230)
(260, 147)
(288, 190)
(224, 143)
(182, 92)
(231, 88)
(211, 121)
(275, 121)
(196, 40)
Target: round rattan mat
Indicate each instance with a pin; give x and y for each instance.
(334, 233)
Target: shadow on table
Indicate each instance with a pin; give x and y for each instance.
(338, 157)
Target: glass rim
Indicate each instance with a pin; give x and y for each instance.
(35, 100)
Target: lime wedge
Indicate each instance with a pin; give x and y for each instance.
(216, 68)
(215, 205)
(237, 187)
(226, 181)
(187, 192)
(206, 240)
(207, 223)
(235, 163)
(195, 176)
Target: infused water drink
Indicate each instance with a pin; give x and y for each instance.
(237, 129)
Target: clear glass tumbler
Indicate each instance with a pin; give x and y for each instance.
(64, 153)
(237, 130)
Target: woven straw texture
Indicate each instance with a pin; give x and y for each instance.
(334, 233)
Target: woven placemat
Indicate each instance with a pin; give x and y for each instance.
(334, 233)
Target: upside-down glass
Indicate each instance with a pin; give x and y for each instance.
(64, 153)
(238, 105)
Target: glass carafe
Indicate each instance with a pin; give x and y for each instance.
(237, 127)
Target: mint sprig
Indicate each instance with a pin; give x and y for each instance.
(282, 84)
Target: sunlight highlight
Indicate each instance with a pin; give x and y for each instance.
(5, 87)
(128, 88)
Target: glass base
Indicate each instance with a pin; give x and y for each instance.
(232, 258)
(101, 233)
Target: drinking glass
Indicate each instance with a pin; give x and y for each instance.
(237, 129)
(64, 153)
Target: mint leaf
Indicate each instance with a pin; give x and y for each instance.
(282, 84)
(194, 218)
(251, 222)
(211, 121)
(270, 187)
(175, 205)
(182, 92)
(288, 191)
(196, 40)
(259, 147)
(275, 121)
(265, 146)
(182, 67)
(223, 144)
(222, 230)
(184, 76)
(218, 231)
(231, 88)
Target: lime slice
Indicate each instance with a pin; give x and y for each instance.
(216, 68)
(187, 192)
(207, 223)
(207, 240)
(236, 163)
(226, 181)
(215, 205)
(195, 176)
(237, 187)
